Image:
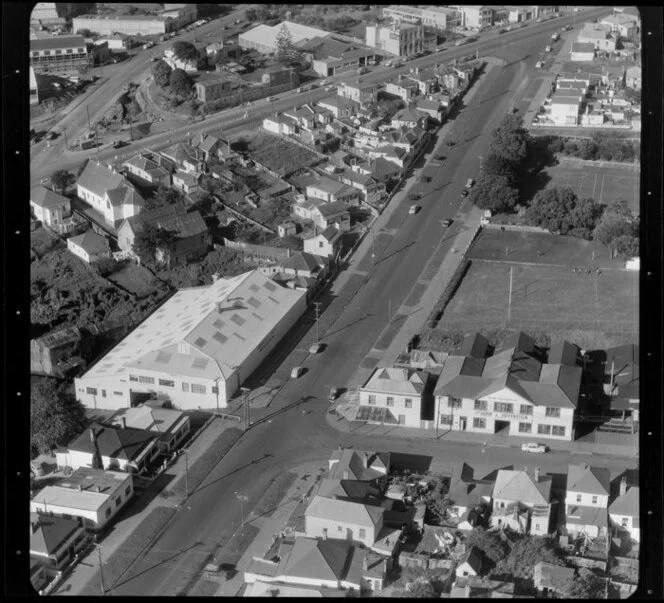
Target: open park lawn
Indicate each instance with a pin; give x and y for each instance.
(547, 296)
(279, 155)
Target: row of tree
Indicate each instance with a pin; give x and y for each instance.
(597, 148)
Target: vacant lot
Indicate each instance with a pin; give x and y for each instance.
(279, 155)
(603, 183)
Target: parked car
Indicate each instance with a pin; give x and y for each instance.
(415, 196)
(548, 49)
(316, 348)
(271, 99)
(425, 178)
(118, 144)
(447, 222)
(414, 209)
(440, 158)
(534, 447)
(539, 64)
(470, 183)
(464, 192)
(296, 372)
(334, 392)
(450, 144)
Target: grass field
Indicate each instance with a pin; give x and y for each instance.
(133, 278)
(547, 296)
(604, 184)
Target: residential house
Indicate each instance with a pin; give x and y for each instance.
(117, 42)
(565, 108)
(633, 77)
(624, 25)
(187, 64)
(522, 502)
(211, 88)
(552, 579)
(56, 352)
(470, 564)
(52, 209)
(187, 182)
(350, 489)
(358, 91)
(587, 500)
(582, 52)
(324, 214)
(369, 187)
(333, 191)
(564, 352)
(362, 465)
(92, 496)
(400, 394)
(185, 157)
(214, 48)
(467, 493)
(621, 372)
(191, 234)
(327, 243)
(473, 587)
(108, 192)
(89, 246)
(130, 450)
(301, 264)
(55, 540)
(173, 426)
(329, 564)
(339, 106)
(510, 390)
(407, 118)
(147, 168)
(279, 123)
(403, 87)
(287, 229)
(624, 513)
(432, 108)
(384, 170)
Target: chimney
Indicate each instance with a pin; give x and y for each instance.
(365, 459)
(124, 422)
(345, 474)
(98, 488)
(92, 434)
(537, 474)
(34, 526)
(80, 487)
(324, 533)
(623, 485)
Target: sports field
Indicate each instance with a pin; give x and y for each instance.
(599, 181)
(548, 296)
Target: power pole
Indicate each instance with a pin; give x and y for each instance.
(317, 310)
(64, 132)
(509, 301)
(186, 474)
(241, 498)
(101, 570)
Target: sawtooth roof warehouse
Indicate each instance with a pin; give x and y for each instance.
(198, 347)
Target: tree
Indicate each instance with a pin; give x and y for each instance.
(494, 193)
(587, 149)
(499, 166)
(251, 15)
(612, 227)
(585, 585)
(61, 180)
(161, 71)
(185, 51)
(151, 239)
(626, 246)
(286, 51)
(180, 83)
(559, 210)
(436, 498)
(489, 543)
(55, 418)
(86, 33)
(525, 554)
(422, 590)
(105, 266)
(161, 197)
(584, 217)
(510, 140)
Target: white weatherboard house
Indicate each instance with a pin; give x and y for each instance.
(198, 348)
(587, 500)
(624, 513)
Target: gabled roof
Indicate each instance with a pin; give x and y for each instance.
(519, 340)
(51, 533)
(588, 480)
(126, 444)
(396, 380)
(205, 142)
(332, 209)
(547, 575)
(317, 559)
(331, 233)
(356, 490)
(522, 487)
(563, 352)
(149, 418)
(45, 197)
(101, 180)
(58, 43)
(91, 242)
(344, 511)
(627, 504)
(359, 464)
(59, 338)
(301, 260)
(472, 557)
(583, 47)
(178, 152)
(475, 345)
(586, 516)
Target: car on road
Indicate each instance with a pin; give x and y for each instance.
(446, 222)
(534, 447)
(330, 88)
(568, 28)
(470, 183)
(539, 64)
(334, 392)
(548, 49)
(118, 144)
(296, 372)
(450, 144)
(440, 157)
(316, 348)
(414, 209)
(271, 99)
(502, 30)
(415, 196)
(464, 192)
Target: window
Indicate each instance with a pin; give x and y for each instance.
(47, 53)
(558, 430)
(625, 522)
(446, 419)
(320, 244)
(525, 427)
(409, 403)
(144, 379)
(502, 407)
(390, 402)
(35, 53)
(454, 403)
(58, 52)
(537, 527)
(103, 393)
(166, 382)
(372, 399)
(118, 501)
(340, 529)
(552, 412)
(594, 500)
(479, 423)
(197, 389)
(363, 533)
(69, 51)
(127, 490)
(579, 498)
(481, 405)
(91, 390)
(108, 513)
(544, 429)
(118, 393)
(133, 378)
(526, 409)
(185, 387)
(215, 389)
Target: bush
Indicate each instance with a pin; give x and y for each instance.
(570, 147)
(180, 83)
(556, 146)
(105, 267)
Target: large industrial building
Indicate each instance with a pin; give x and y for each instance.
(59, 53)
(198, 348)
(264, 38)
(106, 25)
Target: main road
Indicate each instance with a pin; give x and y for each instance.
(212, 514)
(46, 160)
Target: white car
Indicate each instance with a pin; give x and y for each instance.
(470, 183)
(413, 209)
(534, 447)
(539, 64)
(296, 372)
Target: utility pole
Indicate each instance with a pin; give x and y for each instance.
(481, 157)
(509, 301)
(64, 132)
(101, 570)
(186, 473)
(317, 310)
(241, 498)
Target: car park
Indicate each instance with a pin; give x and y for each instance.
(447, 222)
(414, 209)
(296, 372)
(534, 447)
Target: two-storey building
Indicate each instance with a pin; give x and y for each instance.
(587, 500)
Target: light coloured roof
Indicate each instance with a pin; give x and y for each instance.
(547, 575)
(396, 380)
(589, 480)
(148, 418)
(45, 197)
(266, 35)
(90, 242)
(344, 511)
(520, 486)
(627, 504)
(359, 464)
(70, 499)
(273, 589)
(101, 180)
(222, 323)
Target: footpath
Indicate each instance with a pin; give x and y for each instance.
(129, 521)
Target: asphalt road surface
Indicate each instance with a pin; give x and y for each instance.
(289, 436)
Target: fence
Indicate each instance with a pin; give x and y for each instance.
(263, 251)
(586, 562)
(516, 227)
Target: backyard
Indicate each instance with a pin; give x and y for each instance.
(133, 278)
(277, 154)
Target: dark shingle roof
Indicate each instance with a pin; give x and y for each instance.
(124, 444)
(91, 242)
(51, 533)
(58, 42)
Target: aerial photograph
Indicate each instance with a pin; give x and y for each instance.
(334, 300)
